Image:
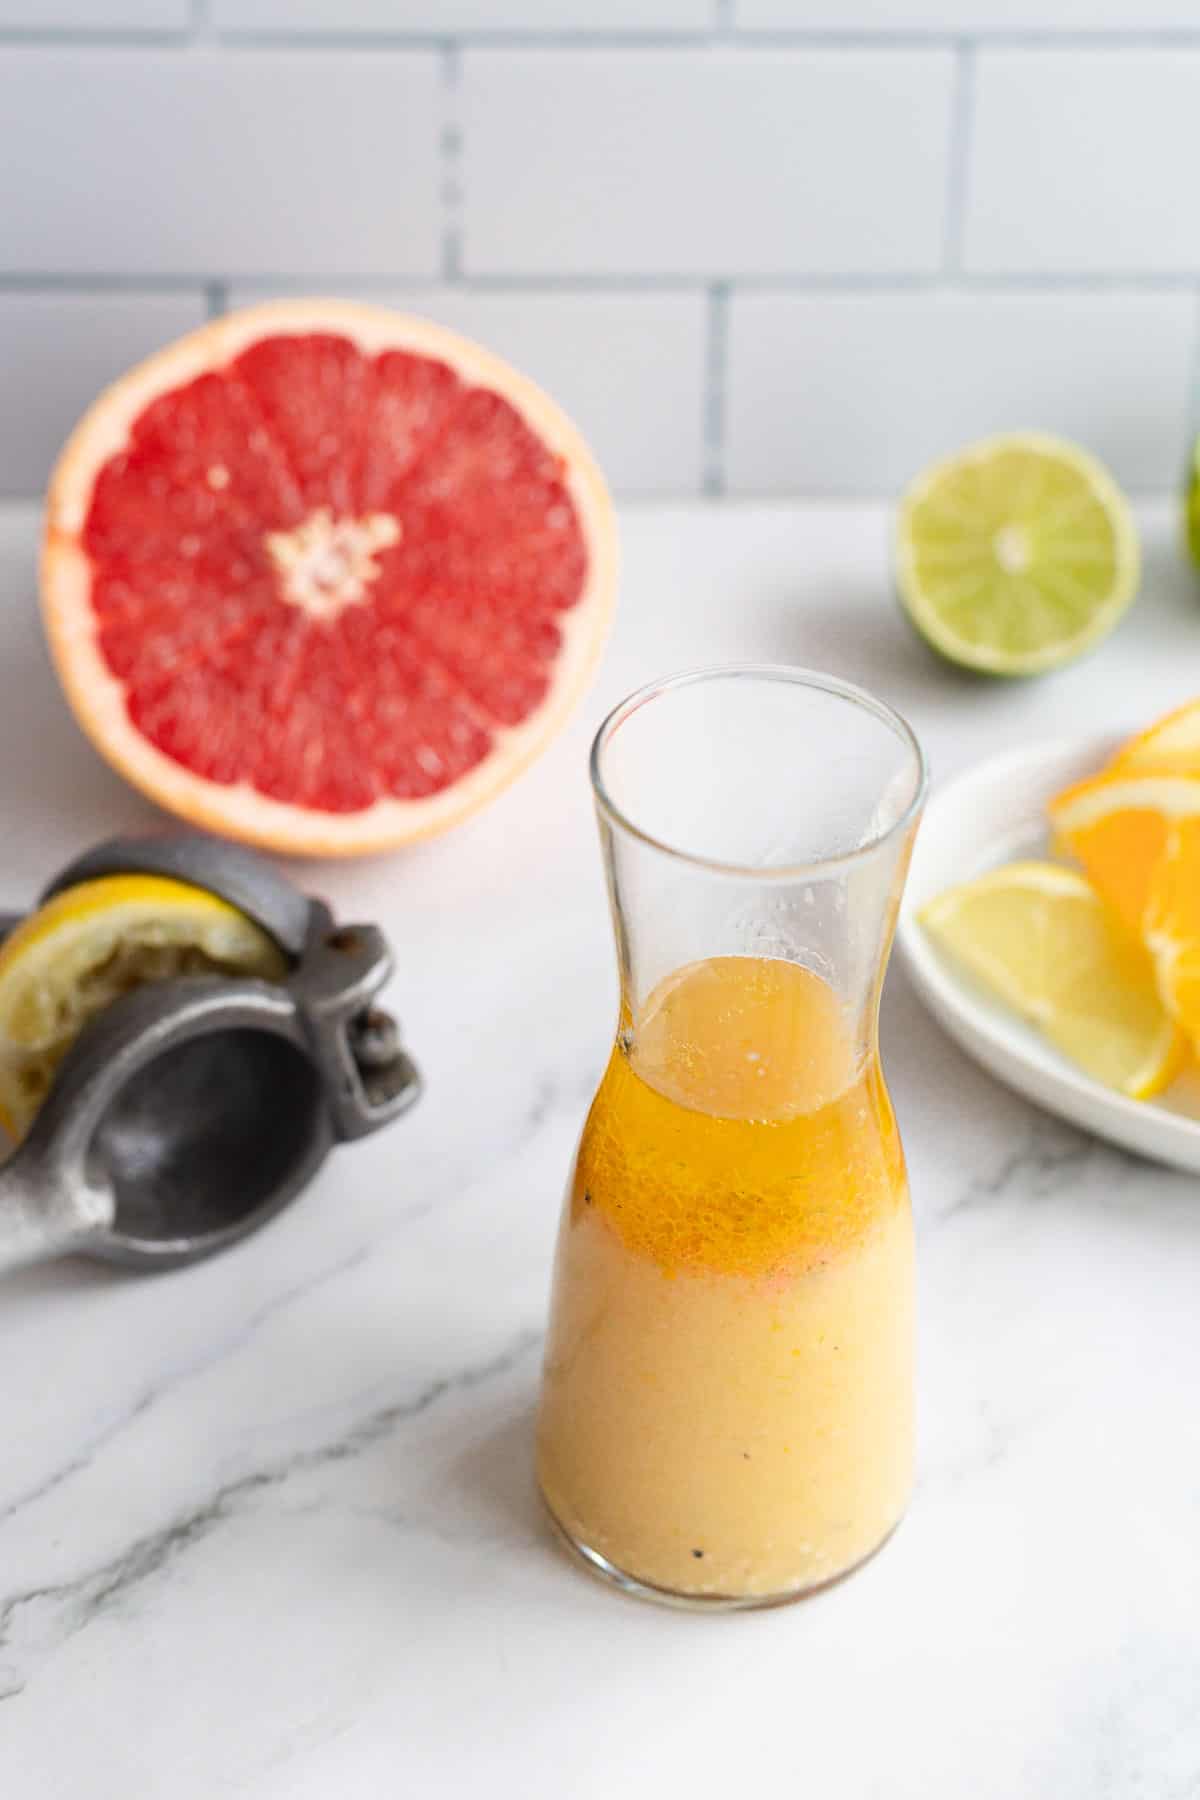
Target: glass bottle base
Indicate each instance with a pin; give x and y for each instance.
(599, 1566)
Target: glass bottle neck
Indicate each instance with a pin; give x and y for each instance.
(733, 987)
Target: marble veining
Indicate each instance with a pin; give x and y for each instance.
(47, 1615)
(1048, 1156)
(169, 1382)
(268, 1526)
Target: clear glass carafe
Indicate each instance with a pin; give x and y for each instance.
(727, 1400)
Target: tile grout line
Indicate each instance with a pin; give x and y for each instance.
(1082, 285)
(724, 31)
(450, 164)
(948, 38)
(16, 37)
(468, 40)
(715, 386)
(962, 126)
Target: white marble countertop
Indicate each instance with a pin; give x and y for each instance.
(267, 1527)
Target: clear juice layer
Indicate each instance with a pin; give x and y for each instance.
(727, 1401)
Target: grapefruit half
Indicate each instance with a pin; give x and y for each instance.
(324, 577)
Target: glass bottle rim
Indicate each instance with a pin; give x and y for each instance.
(796, 676)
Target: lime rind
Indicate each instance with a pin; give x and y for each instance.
(1076, 524)
(1191, 508)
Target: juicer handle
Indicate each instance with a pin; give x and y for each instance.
(40, 1220)
(54, 1199)
(40, 1215)
(49, 1204)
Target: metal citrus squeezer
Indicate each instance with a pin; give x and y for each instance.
(192, 1110)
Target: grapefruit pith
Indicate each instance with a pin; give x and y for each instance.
(324, 577)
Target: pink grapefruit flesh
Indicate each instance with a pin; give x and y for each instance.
(324, 577)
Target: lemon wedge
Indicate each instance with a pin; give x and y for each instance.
(94, 942)
(1039, 937)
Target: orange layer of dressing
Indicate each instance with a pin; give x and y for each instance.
(736, 1136)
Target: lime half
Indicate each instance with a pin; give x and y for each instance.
(1016, 554)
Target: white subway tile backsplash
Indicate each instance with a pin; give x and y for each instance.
(964, 16)
(629, 368)
(682, 162)
(206, 162)
(57, 351)
(442, 16)
(914, 246)
(94, 15)
(1085, 161)
(854, 393)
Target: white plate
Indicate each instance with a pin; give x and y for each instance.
(993, 814)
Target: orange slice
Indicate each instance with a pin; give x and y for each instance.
(1119, 827)
(1171, 926)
